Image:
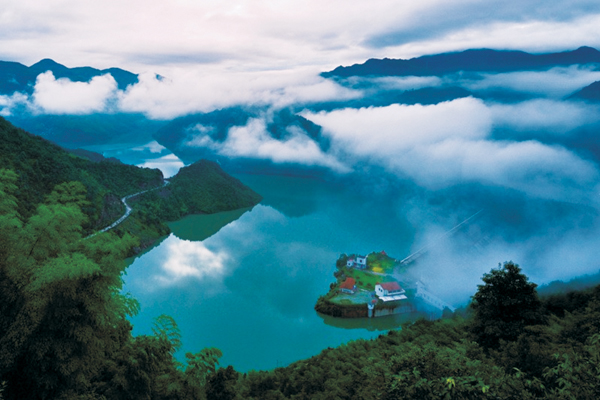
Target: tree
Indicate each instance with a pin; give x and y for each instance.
(504, 306)
(62, 314)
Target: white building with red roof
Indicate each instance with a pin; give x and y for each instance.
(348, 286)
(390, 291)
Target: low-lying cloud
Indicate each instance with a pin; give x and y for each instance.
(549, 116)
(442, 145)
(253, 141)
(193, 91)
(62, 96)
(169, 165)
(554, 83)
(9, 103)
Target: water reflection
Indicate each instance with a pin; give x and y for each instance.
(372, 324)
(250, 288)
(202, 226)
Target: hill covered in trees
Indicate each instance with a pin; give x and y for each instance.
(201, 188)
(41, 165)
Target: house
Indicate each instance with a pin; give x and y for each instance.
(389, 291)
(349, 286)
(359, 262)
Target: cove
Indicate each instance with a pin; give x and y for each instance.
(246, 281)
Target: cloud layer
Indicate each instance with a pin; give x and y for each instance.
(450, 143)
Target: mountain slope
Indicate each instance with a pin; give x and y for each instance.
(41, 165)
(589, 93)
(477, 60)
(201, 188)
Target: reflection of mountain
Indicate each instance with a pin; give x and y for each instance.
(291, 196)
(372, 324)
(479, 60)
(199, 227)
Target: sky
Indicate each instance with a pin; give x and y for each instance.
(274, 35)
(214, 53)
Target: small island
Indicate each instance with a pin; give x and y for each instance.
(377, 285)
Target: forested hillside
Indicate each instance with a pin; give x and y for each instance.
(41, 165)
(201, 188)
(64, 332)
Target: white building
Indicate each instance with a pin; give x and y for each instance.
(390, 291)
(359, 262)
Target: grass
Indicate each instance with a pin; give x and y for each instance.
(381, 263)
(367, 280)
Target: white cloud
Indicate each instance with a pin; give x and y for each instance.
(169, 164)
(556, 82)
(395, 82)
(198, 91)
(190, 260)
(544, 115)
(534, 168)
(152, 147)
(389, 131)
(9, 103)
(62, 96)
(253, 141)
(442, 145)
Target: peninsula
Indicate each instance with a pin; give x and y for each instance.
(377, 285)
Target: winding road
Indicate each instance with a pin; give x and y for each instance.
(128, 209)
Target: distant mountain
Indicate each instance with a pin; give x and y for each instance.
(589, 93)
(16, 77)
(84, 130)
(478, 60)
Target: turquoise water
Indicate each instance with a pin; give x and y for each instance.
(250, 287)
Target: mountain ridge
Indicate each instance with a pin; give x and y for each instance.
(472, 60)
(17, 77)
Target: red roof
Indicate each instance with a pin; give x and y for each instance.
(391, 286)
(348, 284)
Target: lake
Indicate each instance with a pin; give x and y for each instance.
(246, 281)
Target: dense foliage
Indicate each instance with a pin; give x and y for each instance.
(553, 351)
(202, 187)
(64, 331)
(41, 165)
